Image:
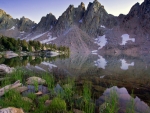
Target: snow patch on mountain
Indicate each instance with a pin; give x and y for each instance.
(13, 28)
(101, 41)
(38, 36)
(125, 39)
(49, 39)
(102, 26)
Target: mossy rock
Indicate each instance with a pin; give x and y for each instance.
(57, 105)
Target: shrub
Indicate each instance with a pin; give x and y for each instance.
(57, 105)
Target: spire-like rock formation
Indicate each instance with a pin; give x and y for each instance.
(96, 16)
(46, 23)
(70, 17)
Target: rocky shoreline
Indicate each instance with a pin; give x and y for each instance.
(11, 54)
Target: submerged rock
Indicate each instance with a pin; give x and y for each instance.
(33, 80)
(4, 69)
(11, 110)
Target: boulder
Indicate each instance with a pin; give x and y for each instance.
(77, 111)
(11, 110)
(8, 87)
(27, 99)
(33, 80)
(10, 54)
(39, 93)
(48, 102)
(21, 89)
(4, 69)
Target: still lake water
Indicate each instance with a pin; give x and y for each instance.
(124, 74)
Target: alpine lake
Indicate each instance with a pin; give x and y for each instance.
(124, 79)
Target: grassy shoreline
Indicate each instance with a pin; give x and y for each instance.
(63, 96)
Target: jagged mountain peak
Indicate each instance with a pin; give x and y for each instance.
(3, 13)
(82, 5)
(46, 23)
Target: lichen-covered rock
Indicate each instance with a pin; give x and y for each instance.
(8, 87)
(27, 99)
(33, 80)
(5, 69)
(11, 110)
(21, 89)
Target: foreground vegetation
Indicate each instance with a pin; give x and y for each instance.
(63, 96)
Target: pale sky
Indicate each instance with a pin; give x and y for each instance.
(35, 9)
